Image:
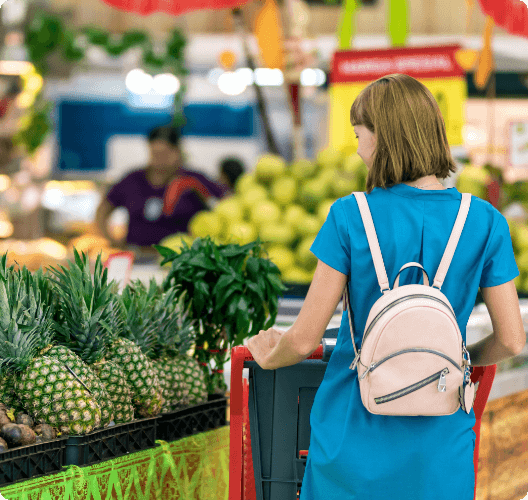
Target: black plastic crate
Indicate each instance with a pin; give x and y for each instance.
(193, 419)
(112, 442)
(34, 460)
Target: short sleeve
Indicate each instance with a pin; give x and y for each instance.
(332, 244)
(499, 265)
(118, 192)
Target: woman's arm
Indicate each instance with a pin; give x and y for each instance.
(275, 349)
(508, 337)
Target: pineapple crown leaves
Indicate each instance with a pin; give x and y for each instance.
(138, 307)
(19, 344)
(231, 286)
(85, 306)
(24, 326)
(175, 329)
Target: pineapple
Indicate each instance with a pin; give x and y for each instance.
(115, 380)
(44, 385)
(7, 393)
(83, 327)
(131, 352)
(176, 334)
(146, 389)
(166, 316)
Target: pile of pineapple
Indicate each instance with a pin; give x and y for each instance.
(78, 356)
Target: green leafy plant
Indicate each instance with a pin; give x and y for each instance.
(231, 291)
(47, 34)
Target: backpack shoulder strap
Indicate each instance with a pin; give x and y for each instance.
(453, 241)
(375, 250)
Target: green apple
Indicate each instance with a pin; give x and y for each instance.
(344, 185)
(204, 224)
(293, 214)
(284, 190)
(521, 237)
(330, 158)
(513, 225)
(241, 233)
(244, 182)
(524, 285)
(303, 169)
(297, 275)
(353, 164)
(312, 193)
(308, 226)
(304, 258)
(522, 261)
(269, 167)
(324, 209)
(276, 232)
(254, 194)
(327, 178)
(230, 209)
(282, 257)
(264, 211)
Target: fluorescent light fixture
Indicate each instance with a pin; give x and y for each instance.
(269, 77)
(139, 82)
(231, 83)
(166, 84)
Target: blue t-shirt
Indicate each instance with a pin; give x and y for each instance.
(353, 453)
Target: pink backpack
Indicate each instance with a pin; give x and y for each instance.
(412, 359)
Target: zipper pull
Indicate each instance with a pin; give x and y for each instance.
(466, 352)
(355, 362)
(366, 371)
(442, 381)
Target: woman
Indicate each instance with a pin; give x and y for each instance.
(160, 199)
(353, 453)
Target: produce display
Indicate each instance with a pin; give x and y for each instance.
(285, 205)
(229, 293)
(21, 430)
(77, 356)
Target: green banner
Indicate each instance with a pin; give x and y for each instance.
(195, 467)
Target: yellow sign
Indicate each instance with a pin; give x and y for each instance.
(450, 92)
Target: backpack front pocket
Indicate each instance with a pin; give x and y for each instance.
(440, 376)
(412, 381)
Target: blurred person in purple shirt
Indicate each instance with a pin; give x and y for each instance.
(161, 198)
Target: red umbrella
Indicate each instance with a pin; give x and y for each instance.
(174, 7)
(511, 15)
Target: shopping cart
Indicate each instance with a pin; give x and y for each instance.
(270, 421)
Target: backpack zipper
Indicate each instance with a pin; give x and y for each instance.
(373, 366)
(392, 304)
(416, 386)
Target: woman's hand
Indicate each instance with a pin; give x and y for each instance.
(262, 344)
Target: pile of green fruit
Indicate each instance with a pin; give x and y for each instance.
(285, 205)
(519, 235)
(78, 356)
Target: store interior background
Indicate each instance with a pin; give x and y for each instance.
(228, 125)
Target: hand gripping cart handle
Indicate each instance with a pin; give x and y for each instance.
(270, 421)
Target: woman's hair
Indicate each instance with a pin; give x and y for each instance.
(411, 140)
(166, 133)
(233, 168)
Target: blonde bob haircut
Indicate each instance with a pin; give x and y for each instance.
(411, 140)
